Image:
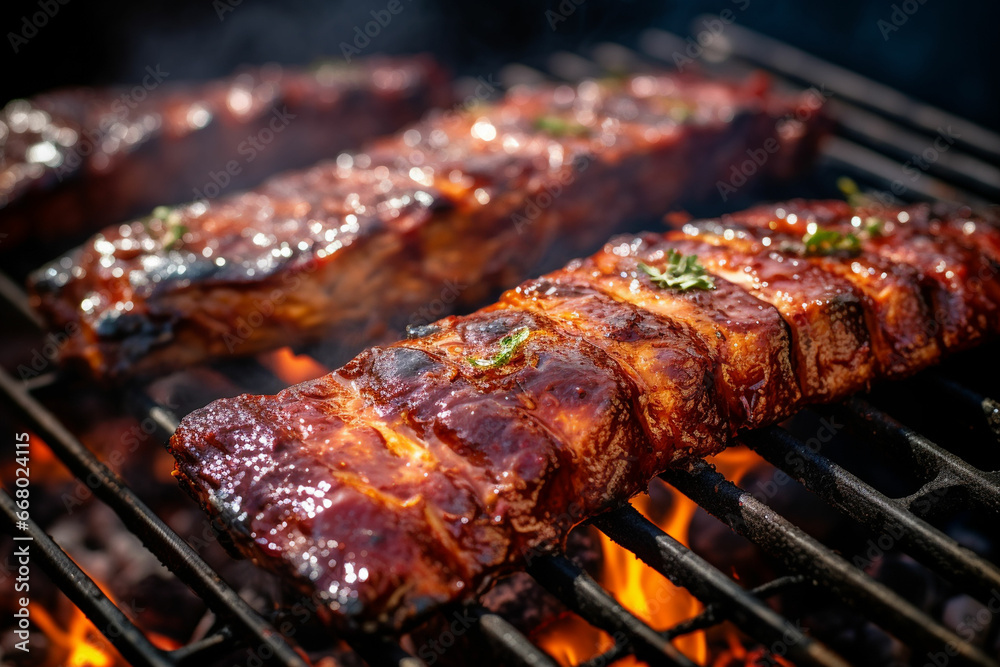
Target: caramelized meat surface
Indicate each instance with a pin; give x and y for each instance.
(75, 160)
(442, 215)
(419, 472)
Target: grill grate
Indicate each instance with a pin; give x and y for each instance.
(878, 128)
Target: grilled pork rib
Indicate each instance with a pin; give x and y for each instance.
(75, 160)
(418, 472)
(446, 213)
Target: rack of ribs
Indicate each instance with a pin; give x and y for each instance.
(441, 216)
(418, 472)
(75, 160)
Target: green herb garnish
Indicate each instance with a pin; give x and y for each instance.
(873, 227)
(174, 230)
(852, 193)
(560, 127)
(829, 241)
(854, 196)
(682, 272)
(509, 344)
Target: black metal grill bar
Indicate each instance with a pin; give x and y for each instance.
(870, 129)
(583, 594)
(849, 156)
(657, 549)
(511, 644)
(612, 655)
(205, 650)
(863, 142)
(989, 407)
(713, 614)
(85, 594)
(855, 120)
(376, 651)
(763, 51)
(628, 528)
(709, 617)
(15, 296)
(752, 518)
(875, 510)
(952, 470)
(578, 591)
(166, 545)
(381, 652)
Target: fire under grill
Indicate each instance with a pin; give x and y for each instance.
(877, 131)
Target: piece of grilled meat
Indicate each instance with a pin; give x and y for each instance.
(445, 214)
(75, 160)
(418, 472)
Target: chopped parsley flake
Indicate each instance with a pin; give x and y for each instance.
(682, 272)
(873, 227)
(829, 241)
(509, 345)
(174, 230)
(560, 127)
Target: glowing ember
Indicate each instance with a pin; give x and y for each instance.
(642, 590)
(293, 368)
(737, 655)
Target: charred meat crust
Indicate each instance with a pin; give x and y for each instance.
(418, 472)
(75, 160)
(443, 215)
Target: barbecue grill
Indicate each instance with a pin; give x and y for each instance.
(877, 131)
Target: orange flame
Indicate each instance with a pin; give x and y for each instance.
(293, 368)
(570, 640)
(735, 462)
(79, 645)
(639, 588)
(44, 464)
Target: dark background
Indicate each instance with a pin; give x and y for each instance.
(945, 53)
